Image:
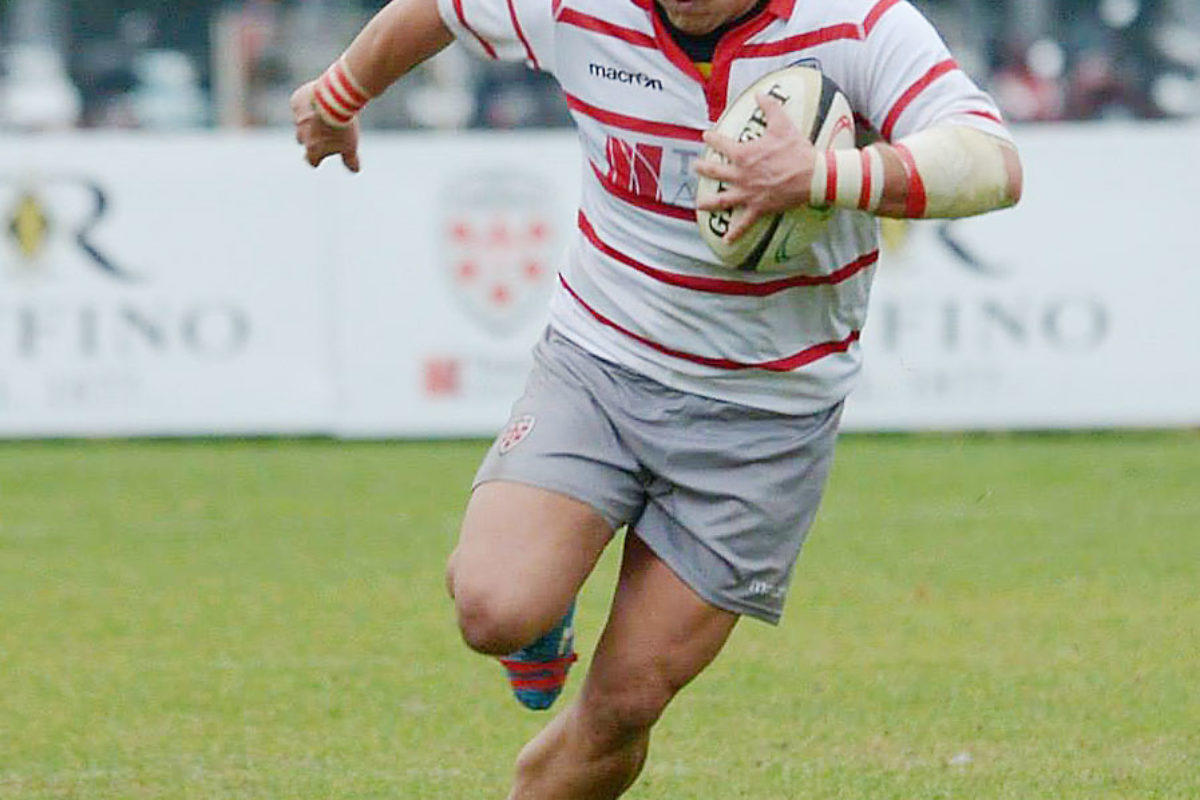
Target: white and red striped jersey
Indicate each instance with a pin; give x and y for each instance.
(639, 287)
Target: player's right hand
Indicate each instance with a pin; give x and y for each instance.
(319, 138)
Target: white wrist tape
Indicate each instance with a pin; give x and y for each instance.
(955, 171)
(848, 179)
(337, 96)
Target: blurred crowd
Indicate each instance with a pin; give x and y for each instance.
(197, 63)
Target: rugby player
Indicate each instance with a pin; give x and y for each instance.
(694, 404)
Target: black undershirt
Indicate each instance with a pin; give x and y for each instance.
(700, 49)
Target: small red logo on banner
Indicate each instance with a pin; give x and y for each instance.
(515, 433)
(443, 377)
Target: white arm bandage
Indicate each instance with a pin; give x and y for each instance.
(952, 171)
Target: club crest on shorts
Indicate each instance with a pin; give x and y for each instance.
(514, 433)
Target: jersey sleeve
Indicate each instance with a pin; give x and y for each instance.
(910, 81)
(504, 30)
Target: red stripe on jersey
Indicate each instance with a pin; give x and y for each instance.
(512, 13)
(641, 201)
(912, 92)
(700, 283)
(916, 201)
(864, 200)
(987, 115)
(785, 364)
(881, 8)
(570, 16)
(849, 270)
(462, 20)
(833, 33)
(635, 124)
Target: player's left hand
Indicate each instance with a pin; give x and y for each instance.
(765, 176)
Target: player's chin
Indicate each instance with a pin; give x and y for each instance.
(691, 16)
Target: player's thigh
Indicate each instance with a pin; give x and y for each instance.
(550, 492)
(659, 636)
(525, 550)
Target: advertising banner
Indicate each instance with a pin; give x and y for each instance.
(216, 285)
(161, 287)
(1077, 309)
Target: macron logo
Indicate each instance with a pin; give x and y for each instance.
(625, 76)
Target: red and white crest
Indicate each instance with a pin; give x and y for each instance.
(500, 245)
(514, 433)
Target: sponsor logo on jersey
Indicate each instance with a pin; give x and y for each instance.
(636, 168)
(514, 433)
(625, 76)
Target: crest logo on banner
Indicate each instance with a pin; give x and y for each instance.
(52, 221)
(500, 245)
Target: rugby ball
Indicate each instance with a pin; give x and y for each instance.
(819, 109)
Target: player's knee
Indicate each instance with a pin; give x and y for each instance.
(630, 706)
(490, 622)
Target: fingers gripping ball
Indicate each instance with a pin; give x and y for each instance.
(817, 107)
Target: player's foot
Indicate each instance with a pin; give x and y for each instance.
(538, 671)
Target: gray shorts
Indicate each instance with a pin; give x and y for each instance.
(722, 493)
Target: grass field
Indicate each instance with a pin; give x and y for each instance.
(979, 617)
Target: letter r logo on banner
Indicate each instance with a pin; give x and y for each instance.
(635, 167)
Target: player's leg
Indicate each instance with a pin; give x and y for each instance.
(522, 555)
(660, 634)
(554, 486)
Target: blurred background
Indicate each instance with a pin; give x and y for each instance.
(197, 64)
(169, 265)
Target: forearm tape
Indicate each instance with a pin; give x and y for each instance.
(950, 171)
(338, 96)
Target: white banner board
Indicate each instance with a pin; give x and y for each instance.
(1077, 309)
(446, 270)
(216, 285)
(152, 286)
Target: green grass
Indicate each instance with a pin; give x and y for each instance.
(979, 617)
